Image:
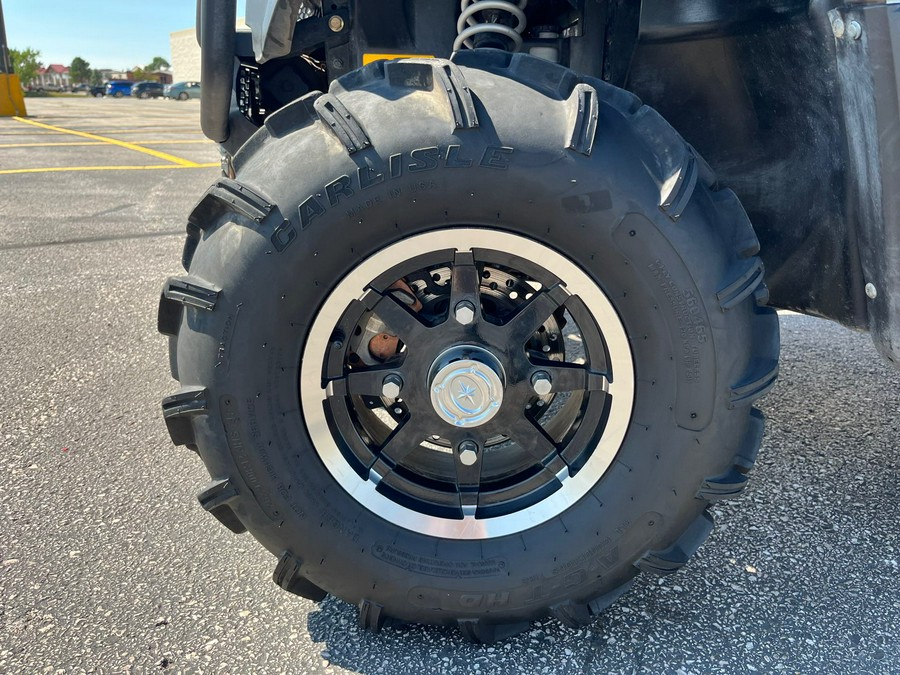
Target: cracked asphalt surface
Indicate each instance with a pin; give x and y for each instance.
(108, 564)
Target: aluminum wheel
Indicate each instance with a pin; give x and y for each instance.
(461, 391)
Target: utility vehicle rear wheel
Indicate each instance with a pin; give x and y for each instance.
(469, 343)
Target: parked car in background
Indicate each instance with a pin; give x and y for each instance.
(98, 91)
(119, 88)
(183, 90)
(81, 88)
(147, 90)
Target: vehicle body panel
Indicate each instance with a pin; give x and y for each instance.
(119, 87)
(147, 89)
(803, 125)
(183, 89)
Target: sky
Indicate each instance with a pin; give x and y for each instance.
(115, 34)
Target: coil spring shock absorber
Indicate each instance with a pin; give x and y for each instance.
(494, 11)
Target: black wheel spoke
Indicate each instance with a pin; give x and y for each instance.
(570, 376)
(400, 320)
(405, 439)
(465, 282)
(533, 315)
(533, 439)
(468, 483)
(367, 382)
(468, 500)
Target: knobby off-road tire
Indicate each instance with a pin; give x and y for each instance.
(491, 172)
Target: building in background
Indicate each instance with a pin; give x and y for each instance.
(54, 77)
(163, 76)
(118, 75)
(186, 53)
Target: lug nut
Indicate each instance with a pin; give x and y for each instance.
(838, 27)
(336, 24)
(468, 453)
(391, 386)
(854, 30)
(541, 383)
(464, 312)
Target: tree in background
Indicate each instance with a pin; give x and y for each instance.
(25, 64)
(158, 63)
(139, 74)
(79, 70)
(96, 78)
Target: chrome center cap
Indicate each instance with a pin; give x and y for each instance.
(467, 392)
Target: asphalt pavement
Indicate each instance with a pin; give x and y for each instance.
(108, 564)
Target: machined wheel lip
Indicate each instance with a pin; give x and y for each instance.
(620, 388)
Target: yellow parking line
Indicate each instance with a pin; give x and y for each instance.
(47, 145)
(175, 142)
(150, 167)
(27, 133)
(178, 132)
(143, 130)
(113, 141)
(84, 143)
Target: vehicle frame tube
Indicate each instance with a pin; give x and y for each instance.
(217, 35)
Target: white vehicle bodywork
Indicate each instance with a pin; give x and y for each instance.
(272, 23)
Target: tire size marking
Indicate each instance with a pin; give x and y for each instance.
(591, 565)
(231, 419)
(692, 327)
(632, 537)
(686, 338)
(628, 540)
(438, 567)
(415, 162)
(449, 600)
(227, 332)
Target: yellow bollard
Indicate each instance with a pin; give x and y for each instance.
(12, 102)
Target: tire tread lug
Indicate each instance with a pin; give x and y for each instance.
(677, 555)
(480, 632)
(217, 498)
(179, 409)
(371, 616)
(334, 114)
(584, 113)
(288, 575)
